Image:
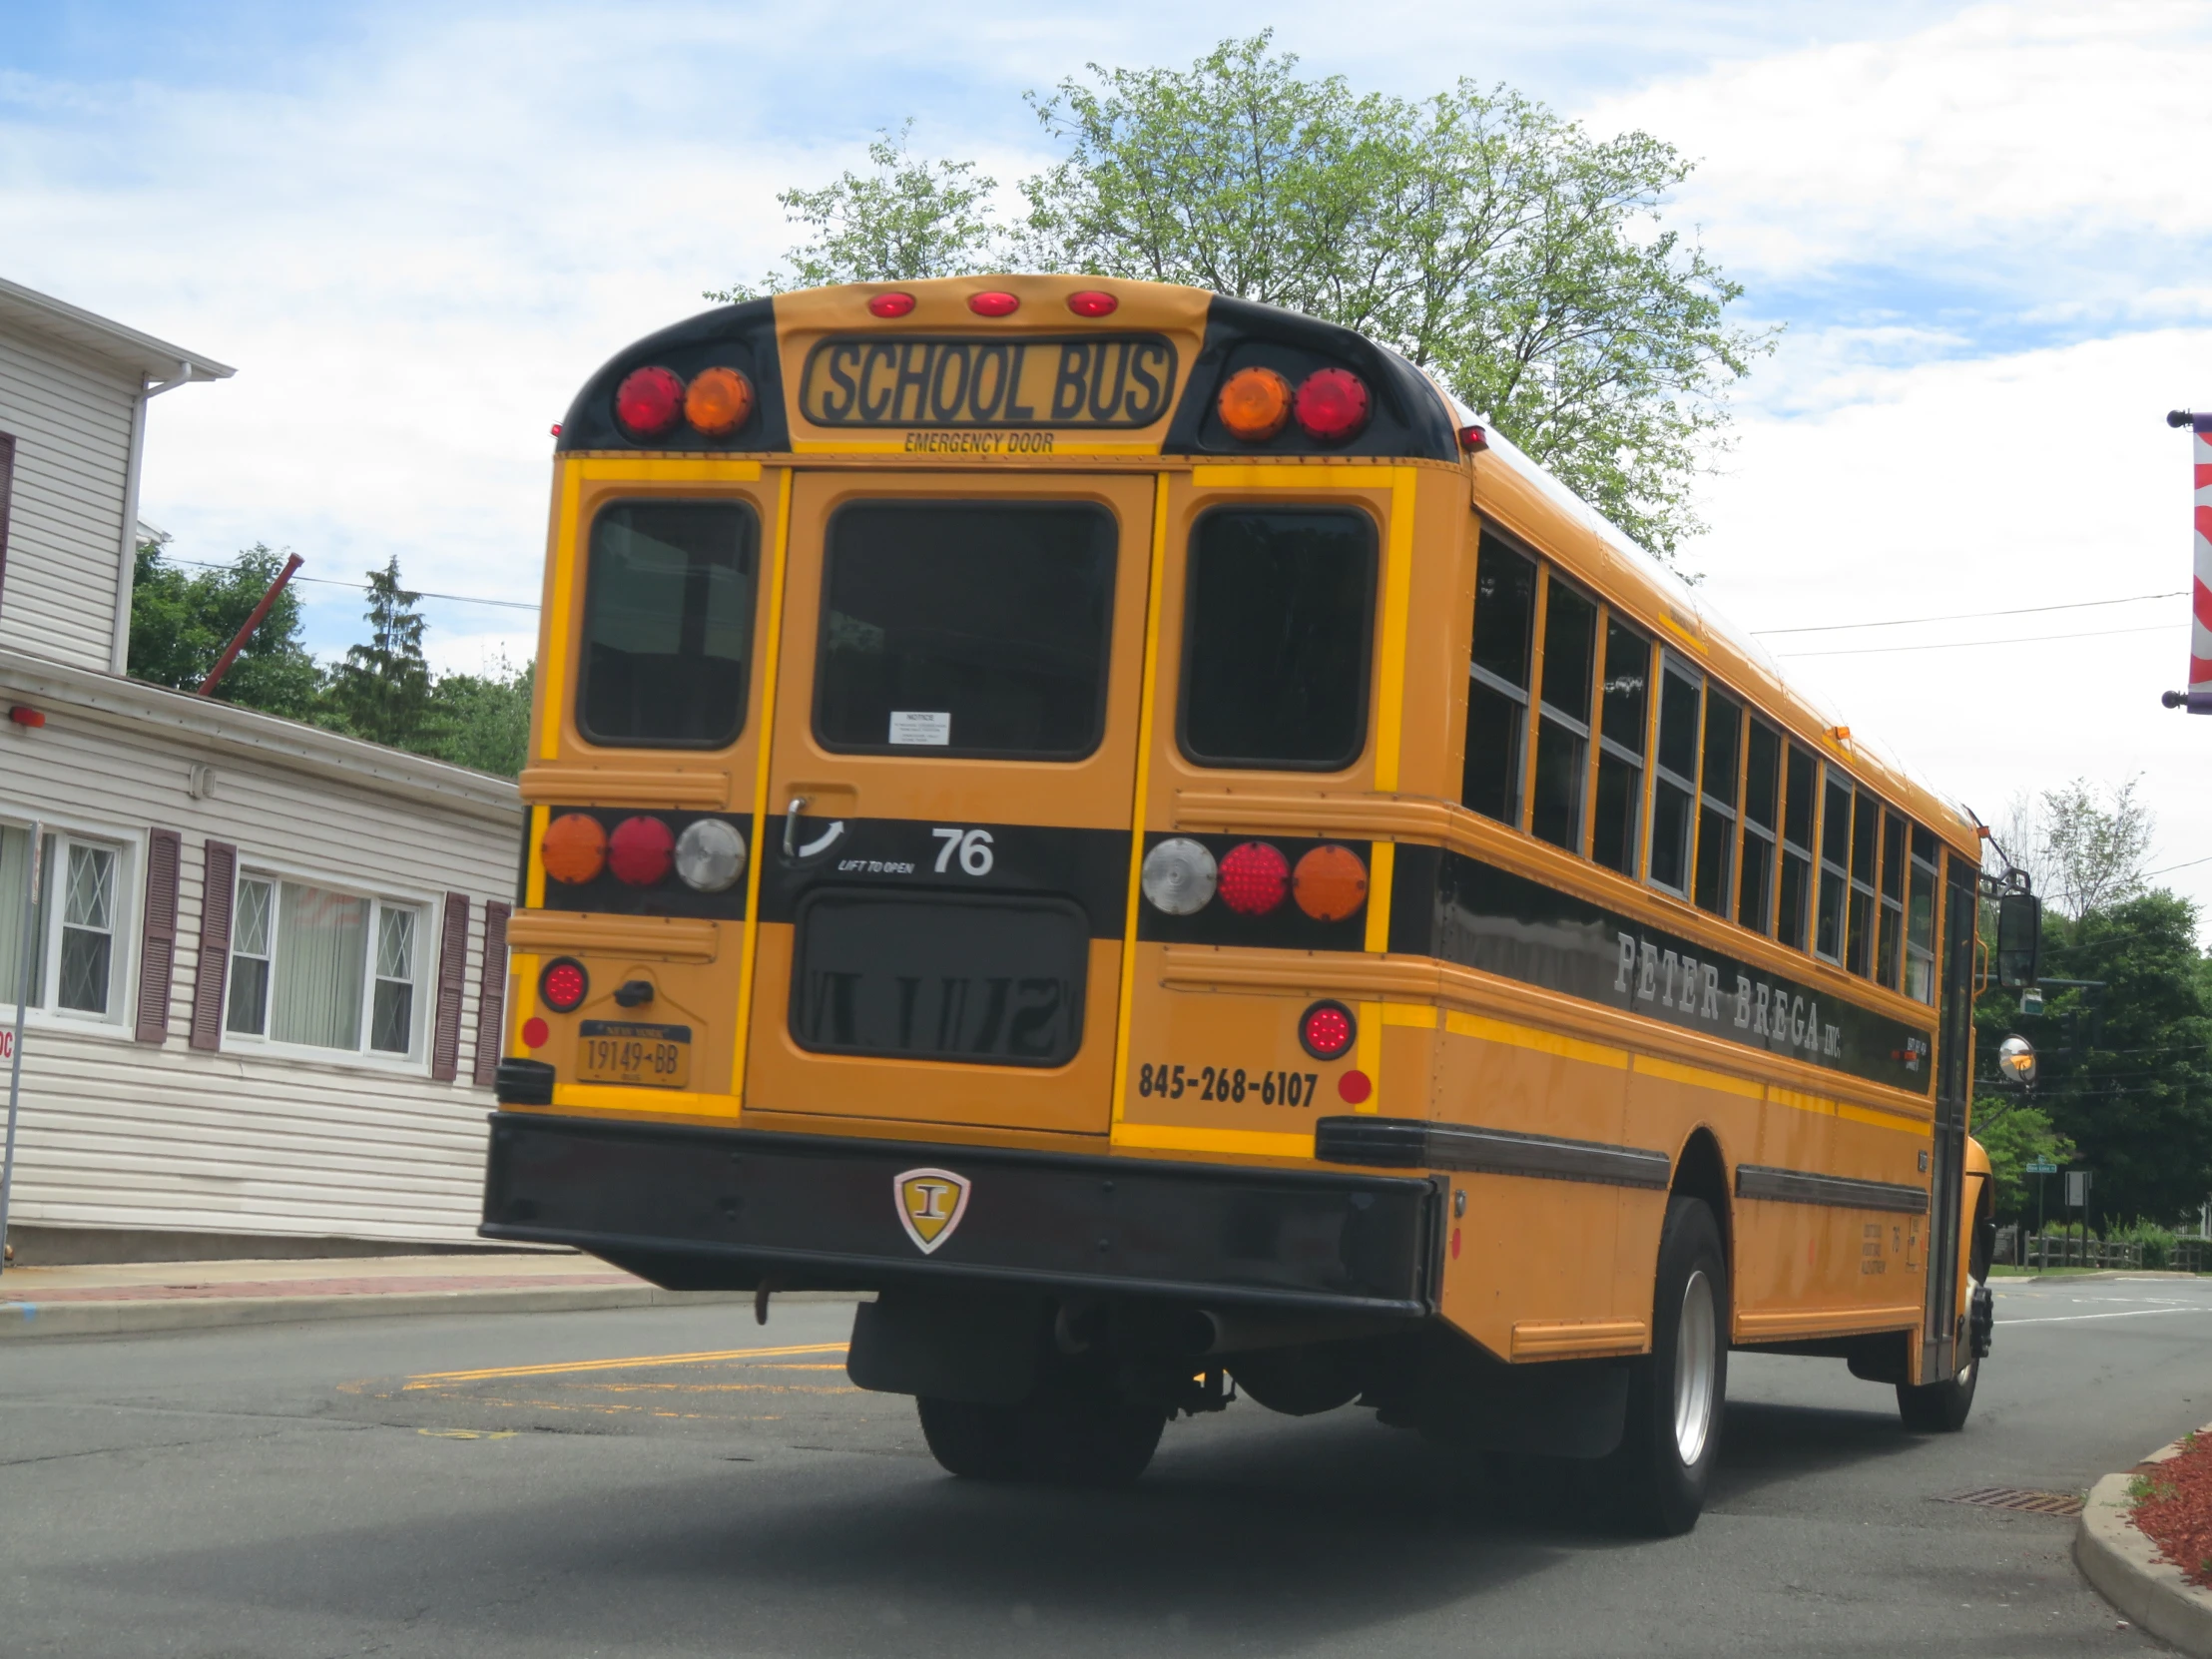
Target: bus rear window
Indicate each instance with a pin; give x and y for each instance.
(1280, 612)
(966, 629)
(668, 624)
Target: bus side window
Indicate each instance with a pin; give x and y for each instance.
(1278, 634)
(1865, 834)
(1563, 715)
(1828, 928)
(668, 624)
(1676, 785)
(1762, 795)
(1497, 691)
(1797, 847)
(1920, 919)
(1886, 963)
(1620, 748)
(1716, 831)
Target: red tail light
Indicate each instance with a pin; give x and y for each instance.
(891, 305)
(1093, 303)
(992, 303)
(1326, 1030)
(564, 984)
(1332, 405)
(647, 401)
(1255, 878)
(640, 851)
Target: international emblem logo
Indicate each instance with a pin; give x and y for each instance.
(930, 1205)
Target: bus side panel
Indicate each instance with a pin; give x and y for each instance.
(1530, 1267)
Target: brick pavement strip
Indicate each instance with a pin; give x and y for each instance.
(2126, 1566)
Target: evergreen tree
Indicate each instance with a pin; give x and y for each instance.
(381, 691)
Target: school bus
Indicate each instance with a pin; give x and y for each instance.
(1128, 824)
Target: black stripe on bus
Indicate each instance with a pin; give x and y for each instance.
(1460, 910)
(1796, 1186)
(1414, 1143)
(604, 895)
(1090, 866)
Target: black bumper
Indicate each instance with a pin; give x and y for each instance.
(699, 1209)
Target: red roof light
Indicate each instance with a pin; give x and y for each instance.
(992, 303)
(891, 305)
(1332, 405)
(1093, 303)
(648, 401)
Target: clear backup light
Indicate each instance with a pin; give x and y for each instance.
(710, 855)
(1180, 876)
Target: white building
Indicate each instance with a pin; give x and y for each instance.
(258, 981)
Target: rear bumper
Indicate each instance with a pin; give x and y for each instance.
(699, 1209)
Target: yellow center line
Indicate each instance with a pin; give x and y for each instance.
(424, 1379)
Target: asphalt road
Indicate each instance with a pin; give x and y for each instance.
(458, 1488)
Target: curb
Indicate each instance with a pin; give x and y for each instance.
(22, 1321)
(2124, 1564)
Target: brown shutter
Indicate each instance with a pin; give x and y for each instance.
(158, 938)
(491, 993)
(217, 890)
(7, 493)
(445, 1040)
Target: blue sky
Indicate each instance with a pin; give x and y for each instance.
(414, 228)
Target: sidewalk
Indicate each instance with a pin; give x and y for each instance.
(177, 1296)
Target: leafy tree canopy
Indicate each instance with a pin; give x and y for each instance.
(2126, 1073)
(2084, 845)
(181, 619)
(1518, 258)
(483, 720)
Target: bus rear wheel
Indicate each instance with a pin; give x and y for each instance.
(1659, 1475)
(1072, 1433)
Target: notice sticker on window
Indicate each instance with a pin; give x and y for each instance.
(922, 726)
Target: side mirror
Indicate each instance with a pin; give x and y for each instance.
(2019, 939)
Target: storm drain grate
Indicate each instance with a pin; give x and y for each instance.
(2020, 1500)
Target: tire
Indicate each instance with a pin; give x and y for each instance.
(1940, 1407)
(975, 1442)
(1069, 1434)
(1658, 1476)
(1079, 1433)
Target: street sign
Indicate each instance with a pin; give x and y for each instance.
(2041, 1169)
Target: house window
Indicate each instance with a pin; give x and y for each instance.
(319, 968)
(78, 922)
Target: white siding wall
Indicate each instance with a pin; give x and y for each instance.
(71, 421)
(117, 1133)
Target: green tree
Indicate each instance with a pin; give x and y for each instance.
(2126, 1073)
(181, 620)
(483, 720)
(1521, 260)
(2087, 847)
(381, 691)
(2015, 1134)
(907, 221)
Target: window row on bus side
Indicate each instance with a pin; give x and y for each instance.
(961, 629)
(1713, 803)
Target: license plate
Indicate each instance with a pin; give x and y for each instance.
(645, 1056)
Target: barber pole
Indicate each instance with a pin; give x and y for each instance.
(2198, 698)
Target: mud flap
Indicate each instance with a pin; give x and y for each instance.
(980, 1349)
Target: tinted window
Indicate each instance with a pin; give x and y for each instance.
(965, 628)
(1279, 616)
(1497, 680)
(668, 623)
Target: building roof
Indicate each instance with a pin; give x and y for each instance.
(58, 320)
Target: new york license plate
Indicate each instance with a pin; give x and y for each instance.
(623, 1051)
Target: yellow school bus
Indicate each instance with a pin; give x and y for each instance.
(1125, 823)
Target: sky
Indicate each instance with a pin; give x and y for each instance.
(415, 228)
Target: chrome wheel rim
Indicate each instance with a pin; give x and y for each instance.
(1695, 1366)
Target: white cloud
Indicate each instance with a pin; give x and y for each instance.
(2009, 125)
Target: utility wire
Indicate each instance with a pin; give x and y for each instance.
(362, 587)
(1971, 615)
(1969, 645)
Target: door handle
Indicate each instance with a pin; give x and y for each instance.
(790, 825)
